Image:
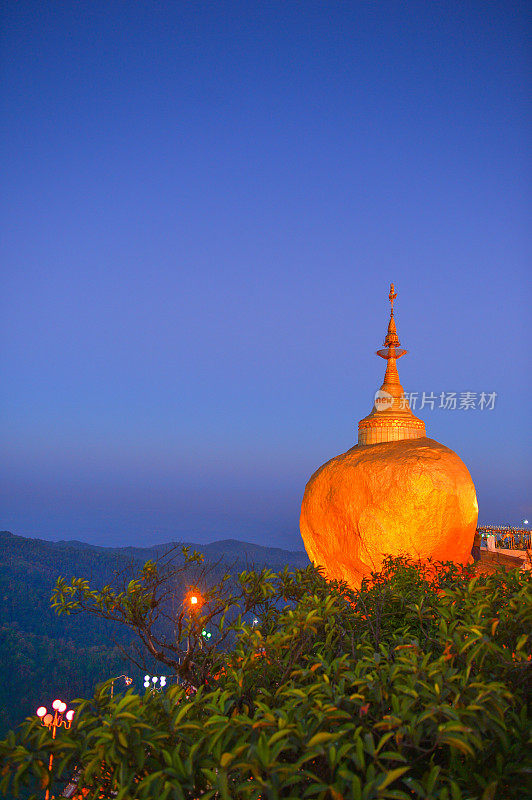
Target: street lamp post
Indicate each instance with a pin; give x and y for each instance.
(126, 678)
(150, 681)
(53, 722)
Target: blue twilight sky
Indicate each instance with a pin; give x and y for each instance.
(204, 204)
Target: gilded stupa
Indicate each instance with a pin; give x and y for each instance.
(396, 492)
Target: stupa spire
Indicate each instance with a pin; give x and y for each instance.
(391, 352)
(391, 418)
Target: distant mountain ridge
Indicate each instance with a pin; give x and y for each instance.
(42, 654)
(226, 549)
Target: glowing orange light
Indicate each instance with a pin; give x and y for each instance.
(195, 599)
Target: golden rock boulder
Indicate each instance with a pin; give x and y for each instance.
(413, 497)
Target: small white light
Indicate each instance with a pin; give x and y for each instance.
(154, 679)
(146, 677)
(146, 684)
(70, 715)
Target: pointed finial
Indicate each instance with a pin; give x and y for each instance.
(392, 295)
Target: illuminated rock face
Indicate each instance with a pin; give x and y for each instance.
(413, 497)
(395, 493)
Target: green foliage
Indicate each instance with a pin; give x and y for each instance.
(413, 687)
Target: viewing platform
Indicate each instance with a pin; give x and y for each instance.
(502, 544)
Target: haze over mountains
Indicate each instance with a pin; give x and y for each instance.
(229, 550)
(43, 656)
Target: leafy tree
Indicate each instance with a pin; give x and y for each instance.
(413, 686)
(44, 655)
(155, 603)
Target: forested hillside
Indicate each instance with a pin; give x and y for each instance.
(42, 655)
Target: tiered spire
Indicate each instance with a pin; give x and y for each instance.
(391, 418)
